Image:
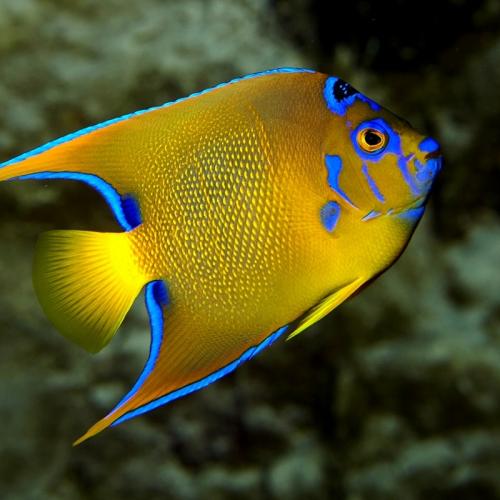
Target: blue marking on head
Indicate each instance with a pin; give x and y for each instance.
(334, 167)
(403, 166)
(200, 384)
(372, 184)
(330, 213)
(393, 146)
(107, 191)
(112, 121)
(156, 298)
(428, 170)
(340, 96)
(131, 210)
(412, 215)
(429, 145)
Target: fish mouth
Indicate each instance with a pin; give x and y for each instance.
(435, 160)
(434, 154)
(427, 170)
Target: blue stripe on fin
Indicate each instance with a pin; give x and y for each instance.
(156, 297)
(122, 209)
(112, 121)
(200, 384)
(131, 210)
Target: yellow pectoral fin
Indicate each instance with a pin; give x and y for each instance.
(325, 306)
(86, 282)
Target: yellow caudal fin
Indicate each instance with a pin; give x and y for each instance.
(325, 306)
(86, 282)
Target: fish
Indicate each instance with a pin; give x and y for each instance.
(247, 212)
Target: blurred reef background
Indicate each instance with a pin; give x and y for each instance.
(396, 395)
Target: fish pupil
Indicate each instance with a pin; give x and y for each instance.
(372, 139)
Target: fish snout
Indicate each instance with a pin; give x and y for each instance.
(432, 163)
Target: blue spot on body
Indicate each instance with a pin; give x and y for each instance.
(372, 184)
(428, 145)
(334, 167)
(330, 213)
(200, 384)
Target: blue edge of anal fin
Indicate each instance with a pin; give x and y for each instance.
(156, 298)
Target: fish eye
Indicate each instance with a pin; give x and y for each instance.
(372, 140)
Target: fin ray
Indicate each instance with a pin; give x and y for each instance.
(86, 282)
(325, 306)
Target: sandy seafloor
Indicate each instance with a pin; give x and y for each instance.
(396, 395)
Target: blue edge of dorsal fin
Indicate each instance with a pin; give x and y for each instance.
(156, 298)
(125, 208)
(118, 205)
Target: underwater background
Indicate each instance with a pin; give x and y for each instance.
(395, 395)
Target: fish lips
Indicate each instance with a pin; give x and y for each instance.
(427, 171)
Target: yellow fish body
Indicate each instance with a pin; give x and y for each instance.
(249, 210)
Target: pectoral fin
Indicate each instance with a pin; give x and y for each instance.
(325, 306)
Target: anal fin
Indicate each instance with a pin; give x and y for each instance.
(182, 359)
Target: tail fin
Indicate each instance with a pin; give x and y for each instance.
(86, 282)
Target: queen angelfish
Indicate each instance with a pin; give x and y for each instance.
(248, 211)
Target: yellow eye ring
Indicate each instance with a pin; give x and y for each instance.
(371, 140)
